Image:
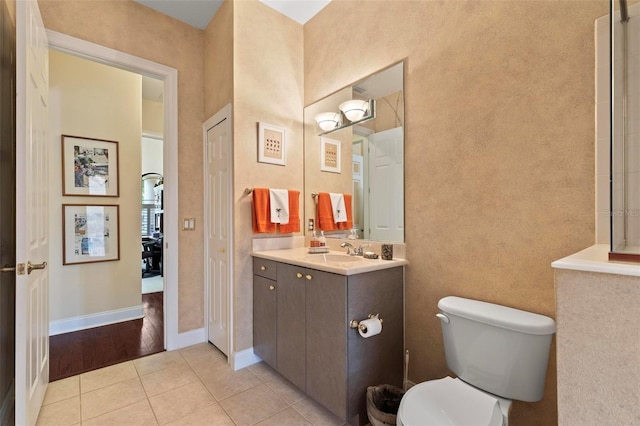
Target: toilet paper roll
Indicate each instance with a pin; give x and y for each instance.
(372, 326)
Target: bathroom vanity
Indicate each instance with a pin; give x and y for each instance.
(303, 306)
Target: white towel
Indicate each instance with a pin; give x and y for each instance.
(279, 201)
(338, 208)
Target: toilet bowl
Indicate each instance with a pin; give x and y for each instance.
(450, 401)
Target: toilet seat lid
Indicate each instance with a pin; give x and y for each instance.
(448, 401)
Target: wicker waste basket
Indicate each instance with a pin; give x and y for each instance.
(383, 402)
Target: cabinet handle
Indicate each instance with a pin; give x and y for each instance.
(263, 268)
(308, 277)
(272, 287)
(299, 275)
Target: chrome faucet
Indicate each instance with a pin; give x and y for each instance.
(352, 251)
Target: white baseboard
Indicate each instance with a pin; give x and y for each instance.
(83, 322)
(192, 337)
(243, 359)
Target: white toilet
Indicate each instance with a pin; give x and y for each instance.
(498, 353)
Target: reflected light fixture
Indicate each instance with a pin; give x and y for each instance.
(328, 120)
(354, 109)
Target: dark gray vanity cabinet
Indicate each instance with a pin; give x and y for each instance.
(326, 313)
(306, 326)
(265, 292)
(291, 323)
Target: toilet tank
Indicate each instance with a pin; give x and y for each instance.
(501, 350)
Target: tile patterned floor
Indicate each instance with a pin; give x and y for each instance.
(190, 386)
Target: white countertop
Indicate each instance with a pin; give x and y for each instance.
(596, 259)
(333, 261)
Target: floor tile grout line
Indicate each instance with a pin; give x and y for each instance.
(264, 376)
(110, 411)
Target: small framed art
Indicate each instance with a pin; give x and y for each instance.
(271, 144)
(89, 167)
(90, 233)
(330, 157)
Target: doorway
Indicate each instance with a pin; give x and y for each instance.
(98, 100)
(168, 75)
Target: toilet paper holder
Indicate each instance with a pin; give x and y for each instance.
(362, 327)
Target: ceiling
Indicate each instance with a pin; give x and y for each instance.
(198, 13)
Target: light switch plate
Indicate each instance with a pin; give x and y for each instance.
(189, 224)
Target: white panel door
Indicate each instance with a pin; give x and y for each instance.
(357, 191)
(32, 205)
(386, 183)
(218, 208)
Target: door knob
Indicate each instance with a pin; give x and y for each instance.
(32, 266)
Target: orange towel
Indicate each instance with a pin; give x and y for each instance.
(294, 214)
(325, 214)
(261, 212)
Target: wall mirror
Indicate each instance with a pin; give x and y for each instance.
(367, 160)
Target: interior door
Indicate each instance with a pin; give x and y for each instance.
(218, 207)
(386, 183)
(32, 244)
(7, 215)
(357, 168)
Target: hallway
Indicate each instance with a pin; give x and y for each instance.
(93, 348)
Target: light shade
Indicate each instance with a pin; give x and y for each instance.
(355, 109)
(328, 120)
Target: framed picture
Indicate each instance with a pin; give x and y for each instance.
(271, 144)
(90, 233)
(89, 167)
(330, 157)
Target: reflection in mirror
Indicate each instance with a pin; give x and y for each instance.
(370, 161)
(152, 187)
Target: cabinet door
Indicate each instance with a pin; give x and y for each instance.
(327, 341)
(291, 323)
(264, 319)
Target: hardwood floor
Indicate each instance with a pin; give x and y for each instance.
(86, 350)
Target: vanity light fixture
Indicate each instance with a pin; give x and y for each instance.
(354, 109)
(328, 120)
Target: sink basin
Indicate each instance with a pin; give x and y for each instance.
(332, 258)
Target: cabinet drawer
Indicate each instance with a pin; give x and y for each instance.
(264, 268)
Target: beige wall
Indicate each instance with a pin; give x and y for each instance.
(268, 75)
(218, 60)
(499, 147)
(95, 101)
(131, 28)
(152, 117)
